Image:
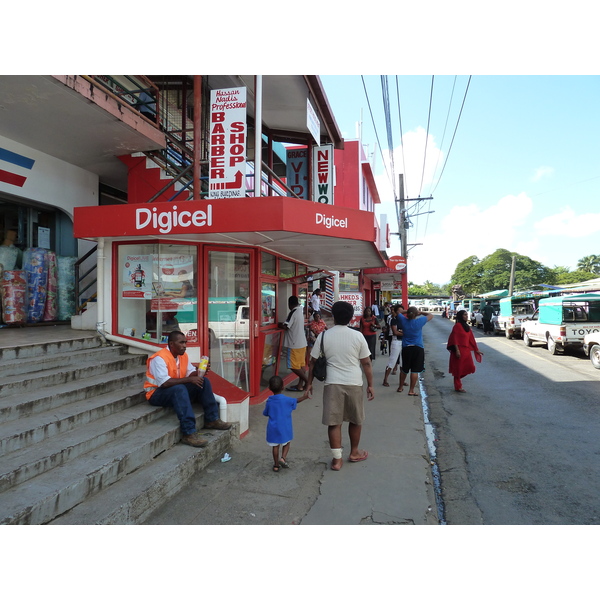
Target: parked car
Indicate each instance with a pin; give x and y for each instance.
(563, 321)
(591, 347)
(513, 310)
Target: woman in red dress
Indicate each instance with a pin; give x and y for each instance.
(460, 345)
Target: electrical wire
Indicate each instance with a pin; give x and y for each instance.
(388, 125)
(445, 127)
(374, 127)
(453, 135)
(427, 135)
(401, 134)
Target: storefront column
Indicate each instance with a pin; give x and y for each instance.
(257, 135)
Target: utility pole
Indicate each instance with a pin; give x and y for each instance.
(511, 285)
(403, 225)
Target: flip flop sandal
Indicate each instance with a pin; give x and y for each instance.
(276, 469)
(284, 464)
(364, 457)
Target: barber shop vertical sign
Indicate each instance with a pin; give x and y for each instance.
(228, 132)
(323, 174)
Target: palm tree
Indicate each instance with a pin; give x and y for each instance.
(590, 263)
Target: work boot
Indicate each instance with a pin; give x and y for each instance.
(218, 424)
(193, 439)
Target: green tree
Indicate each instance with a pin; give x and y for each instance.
(589, 263)
(568, 277)
(493, 272)
(468, 273)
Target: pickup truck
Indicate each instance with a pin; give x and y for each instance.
(563, 321)
(591, 348)
(513, 311)
(227, 321)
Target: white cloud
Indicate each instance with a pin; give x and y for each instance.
(568, 224)
(466, 231)
(542, 172)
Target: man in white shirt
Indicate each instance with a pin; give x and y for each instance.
(295, 342)
(315, 300)
(348, 356)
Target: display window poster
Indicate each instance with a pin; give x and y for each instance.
(137, 276)
(175, 273)
(150, 275)
(323, 174)
(228, 132)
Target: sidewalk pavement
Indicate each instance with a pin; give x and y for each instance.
(394, 486)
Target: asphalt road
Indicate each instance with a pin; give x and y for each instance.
(522, 445)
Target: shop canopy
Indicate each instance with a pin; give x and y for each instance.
(323, 236)
(494, 295)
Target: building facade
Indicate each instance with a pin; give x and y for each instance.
(169, 218)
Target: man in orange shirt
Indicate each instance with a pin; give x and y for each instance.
(172, 381)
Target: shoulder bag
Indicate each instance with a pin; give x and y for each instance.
(320, 366)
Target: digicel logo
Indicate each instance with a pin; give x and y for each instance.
(166, 220)
(330, 222)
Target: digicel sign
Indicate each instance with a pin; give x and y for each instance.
(232, 215)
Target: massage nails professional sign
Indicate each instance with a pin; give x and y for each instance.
(227, 174)
(323, 175)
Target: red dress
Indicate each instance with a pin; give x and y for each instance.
(465, 340)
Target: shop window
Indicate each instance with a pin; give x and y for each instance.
(286, 268)
(270, 349)
(267, 294)
(268, 264)
(229, 316)
(157, 291)
(348, 282)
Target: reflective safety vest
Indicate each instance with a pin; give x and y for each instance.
(172, 369)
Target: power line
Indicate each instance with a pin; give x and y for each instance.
(453, 135)
(445, 127)
(374, 127)
(427, 135)
(401, 134)
(388, 124)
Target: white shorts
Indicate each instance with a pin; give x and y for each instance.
(395, 352)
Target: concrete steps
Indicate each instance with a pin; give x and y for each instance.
(79, 444)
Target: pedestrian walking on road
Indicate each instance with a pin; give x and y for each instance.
(346, 351)
(460, 345)
(413, 352)
(487, 313)
(279, 427)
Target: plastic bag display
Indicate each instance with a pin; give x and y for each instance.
(13, 290)
(8, 257)
(34, 265)
(66, 287)
(51, 307)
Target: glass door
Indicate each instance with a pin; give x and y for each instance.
(229, 315)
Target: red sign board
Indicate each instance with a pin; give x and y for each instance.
(223, 216)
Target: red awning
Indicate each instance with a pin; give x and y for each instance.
(327, 237)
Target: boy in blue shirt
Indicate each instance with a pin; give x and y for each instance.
(279, 427)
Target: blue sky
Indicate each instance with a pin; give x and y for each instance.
(523, 172)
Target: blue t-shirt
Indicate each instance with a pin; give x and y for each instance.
(412, 330)
(279, 410)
